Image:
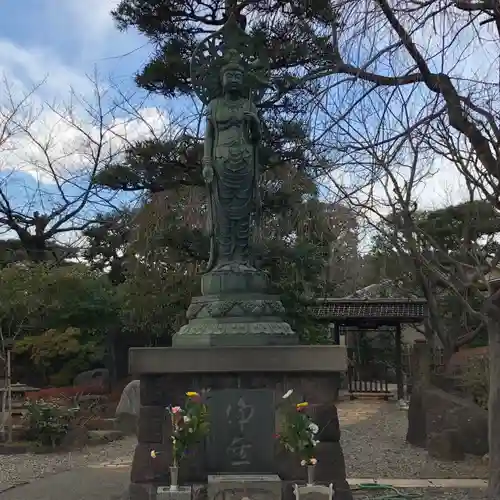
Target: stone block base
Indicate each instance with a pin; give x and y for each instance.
(313, 372)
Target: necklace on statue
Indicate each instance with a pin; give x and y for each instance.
(233, 104)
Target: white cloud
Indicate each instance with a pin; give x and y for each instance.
(58, 129)
(91, 24)
(94, 16)
(445, 187)
(23, 68)
(61, 141)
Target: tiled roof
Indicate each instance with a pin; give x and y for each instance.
(401, 310)
(385, 289)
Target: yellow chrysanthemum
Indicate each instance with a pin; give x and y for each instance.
(191, 394)
(302, 405)
(153, 454)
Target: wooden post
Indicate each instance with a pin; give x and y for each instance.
(398, 361)
(421, 360)
(336, 333)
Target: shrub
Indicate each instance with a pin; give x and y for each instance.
(50, 393)
(48, 421)
(475, 379)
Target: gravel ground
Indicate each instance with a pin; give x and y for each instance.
(373, 441)
(16, 469)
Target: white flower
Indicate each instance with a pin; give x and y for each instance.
(313, 461)
(287, 394)
(190, 429)
(315, 442)
(186, 419)
(173, 439)
(302, 462)
(313, 428)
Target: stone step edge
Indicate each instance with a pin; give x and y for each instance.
(422, 483)
(396, 483)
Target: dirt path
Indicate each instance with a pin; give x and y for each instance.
(78, 484)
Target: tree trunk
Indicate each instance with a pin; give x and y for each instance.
(492, 310)
(494, 408)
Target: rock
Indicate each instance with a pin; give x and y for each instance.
(94, 381)
(447, 412)
(445, 446)
(127, 411)
(434, 411)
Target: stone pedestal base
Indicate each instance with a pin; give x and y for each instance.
(235, 309)
(166, 374)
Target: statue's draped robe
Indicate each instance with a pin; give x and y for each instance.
(233, 187)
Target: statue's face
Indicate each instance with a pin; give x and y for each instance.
(232, 80)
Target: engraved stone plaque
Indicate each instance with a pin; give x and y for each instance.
(242, 426)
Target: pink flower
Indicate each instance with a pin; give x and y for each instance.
(176, 409)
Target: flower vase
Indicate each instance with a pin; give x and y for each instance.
(174, 478)
(310, 475)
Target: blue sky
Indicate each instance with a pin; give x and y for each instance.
(72, 35)
(61, 41)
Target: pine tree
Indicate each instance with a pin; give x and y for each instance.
(292, 162)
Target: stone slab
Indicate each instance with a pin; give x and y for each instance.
(242, 428)
(421, 483)
(293, 358)
(313, 492)
(236, 487)
(165, 493)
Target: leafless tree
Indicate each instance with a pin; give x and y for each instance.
(50, 154)
(435, 64)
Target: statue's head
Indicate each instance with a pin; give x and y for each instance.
(233, 73)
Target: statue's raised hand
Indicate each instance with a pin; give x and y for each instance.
(208, 170)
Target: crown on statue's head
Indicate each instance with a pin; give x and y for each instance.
(233, 61)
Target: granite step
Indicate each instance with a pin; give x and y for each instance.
(104, 436)
(101, 424)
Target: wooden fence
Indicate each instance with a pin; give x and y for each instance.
(374, 375)
(437, 359)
